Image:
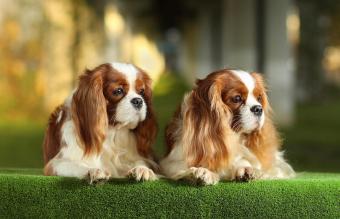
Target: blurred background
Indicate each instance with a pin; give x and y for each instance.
(45, 45)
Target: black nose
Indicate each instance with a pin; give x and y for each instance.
(257, 110)
(137, 103)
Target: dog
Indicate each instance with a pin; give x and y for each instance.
(105, 128)
(223, 130)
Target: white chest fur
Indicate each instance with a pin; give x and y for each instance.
(119, 151)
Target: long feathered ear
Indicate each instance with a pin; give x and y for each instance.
(146, 130)
(266, 141)
(89, 110)
(207, 135)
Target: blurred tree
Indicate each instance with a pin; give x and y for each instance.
(88, 22)
(74, 38)
(20, 54)
(314, 32)
(155, 17)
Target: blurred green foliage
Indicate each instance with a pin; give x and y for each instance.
(168, 94)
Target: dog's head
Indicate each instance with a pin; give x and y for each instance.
(116, 95)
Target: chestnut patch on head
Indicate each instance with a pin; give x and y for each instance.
(146, 130)
(140, 86)
(114, 89)
(234, 92)
(143, 85)
(260, 90)
(115, 86)
(234, 95)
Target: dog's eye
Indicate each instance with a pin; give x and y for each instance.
(259, 98)
(237, 99)
(118, 91)
(142, 92)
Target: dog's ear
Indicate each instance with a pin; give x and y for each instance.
(89, 109)
(207, 136)
(266, 141)
(146, 130)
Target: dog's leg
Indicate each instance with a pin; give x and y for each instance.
(243, 171)
(78, 169)
(142, 173)
(198, 175)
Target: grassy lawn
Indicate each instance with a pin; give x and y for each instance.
(21, 144)
(312, 144)
(27, 195)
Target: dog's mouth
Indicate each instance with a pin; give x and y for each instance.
(257, 125)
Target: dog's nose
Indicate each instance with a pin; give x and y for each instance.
(257, 110)
(137, 103)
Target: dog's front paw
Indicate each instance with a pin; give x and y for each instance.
(244, 174)
(203, 176)
(142, 173)
(95, 176)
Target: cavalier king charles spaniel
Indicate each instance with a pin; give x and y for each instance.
(223, 130)
(105, 128)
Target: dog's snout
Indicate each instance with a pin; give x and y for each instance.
(257, 110)
(137, 103)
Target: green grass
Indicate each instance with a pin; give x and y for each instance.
(313, 142)
(21, 144)
(27, 195)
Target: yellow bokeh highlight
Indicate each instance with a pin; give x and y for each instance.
(131, 47)
(114, 21)
(331, 63)
(293, 26)
(147, 56)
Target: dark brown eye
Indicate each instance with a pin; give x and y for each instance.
(142, 92)
(237, 99)
(118, 91)
(259, 98)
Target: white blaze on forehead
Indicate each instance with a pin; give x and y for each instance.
(246, 78)
(249, 82)
(129, 70)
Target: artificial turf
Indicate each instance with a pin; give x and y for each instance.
(27, 194)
